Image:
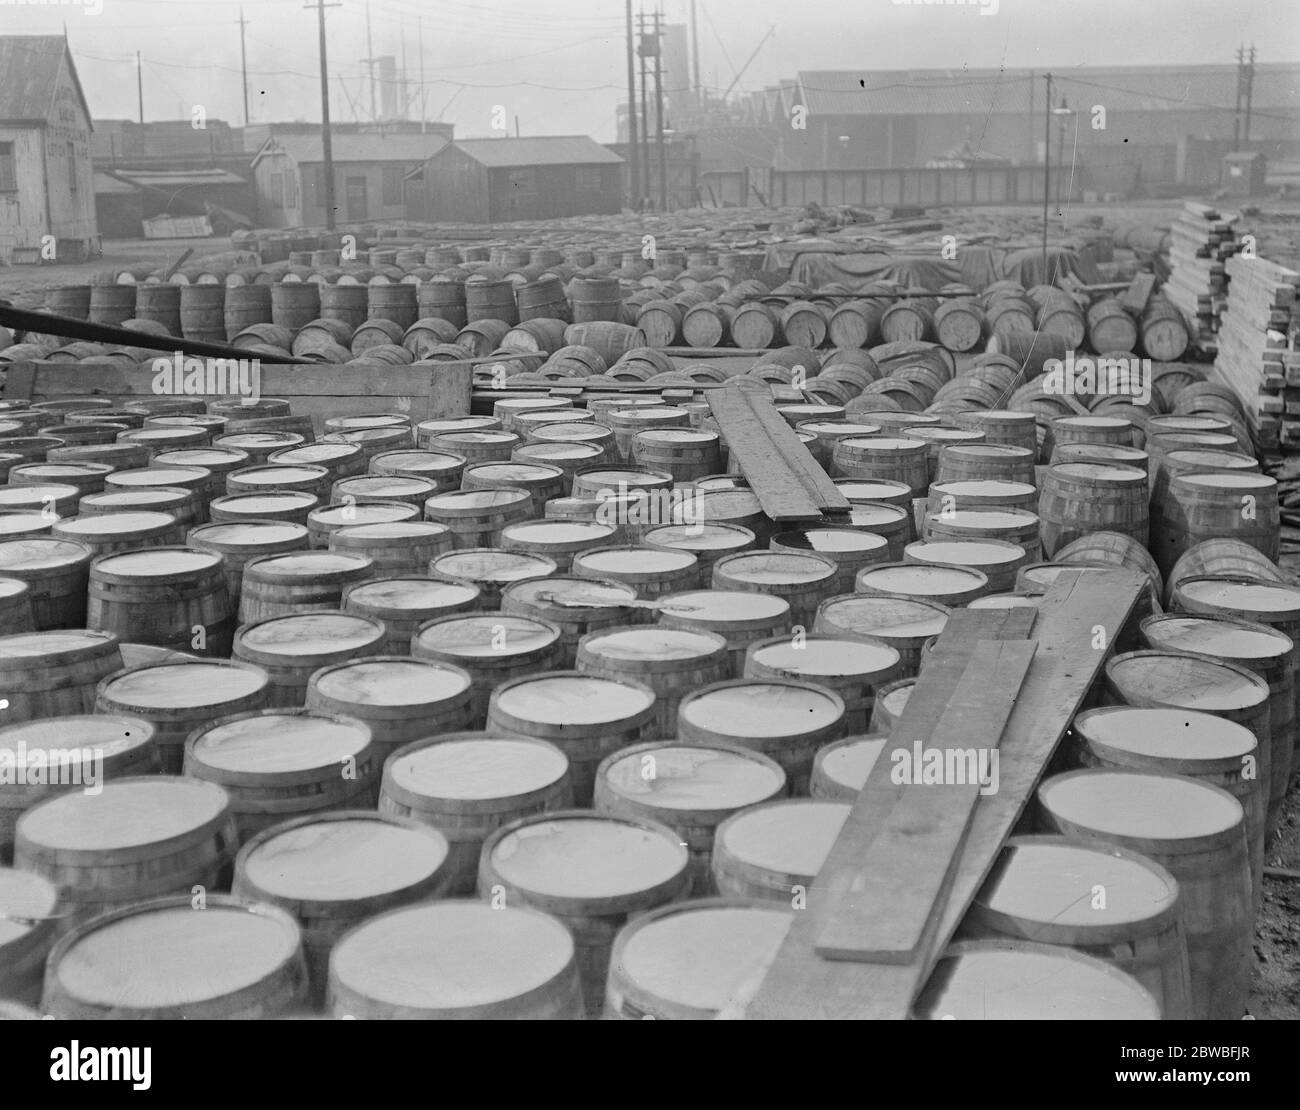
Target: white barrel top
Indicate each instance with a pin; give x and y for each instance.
(574, 595)
(572, 699)
(849, 762)
(97, 735)
(920, 579)
(634, 560)
(251, 533)
(276, 743)
(488, 635)
(966, 553)
(40, 645)
(1135, 805)
(826, 657)
(183, 685)
(789, 838)
(725, 607)
(24, 896)
(1227, 639)
(1181, 734)
(475, 502)
(392, 595)
(310, 634)
(101, 524)
(894, 701)
(364, 512)
(652, 644)
(1188, 681)
(156, 562)
(1263, 598)
(40, 553)
(886, 616)
(693, 777)
(700, 536)
(471, 769)
(391, 682)
(280, 474)
(558, 532)
(775, 567)
(492, 566)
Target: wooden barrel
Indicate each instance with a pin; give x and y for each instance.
(294, 304)
(850, 549)
(586, 716)
(404, 602)
(1079, 498)
(1110, 327)
(783, 719)
(16, 606)
(577, 606)
(984, 462)
(684, 453)
(103, 533)
(456, 960)
(493, 648)
(179, 965)
(394, 302)
(801, 579)
(313, 479)
(171, 597)
(539, 481)
(489, 445)
(959, 324)
(892, 698)
(632, 865)
(259, 446)
(298, 581)
(238, 543)
(30, 906)
(280, 764)
(111, 304)
(1195, 831)
(651, 572)
(840, 770)
(333, 871)
(1222, 557)
(902, 623)
(609, 340)
(1182, 742)
(283, 505)
(475, 518)
(137, 838)
(444, 300)
(1091, 429)
(1116, 549)
(884, 457)
(1013, 980)
(1104, 454)
(491, 300)
(490, 569)
(740, 618)
(708, 542)
(18, 524)
(364, 488)
(997, 560)
(595, 299)
(292, 648)
(853, 667)
(53, 673)
(468, 784)
(56, 573)
(944, 584)
(1042, 890)
(559, 541)
(400, 698)
(1232, 505)
(773, 852)
(245, 306)
(203, 313)
(342, 460)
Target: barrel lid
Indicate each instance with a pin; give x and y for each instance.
(652, 644)
(40, 553)
(155, 562)
(68, 643)
(835, 428)
(937, 432)
(1184, 681)
(558, 532)
(349, 514)
(390, 681)
(412, 594)
(245, 748)
(370, 435)
(1099, 423)
(1100, 473)
(867, 489)
(310, 634)
(479, 636)
(315, 453)
(700, 536)
(17, 523)
(163, 432)
(883, 444)
(790, 839)
(568, 430)
(575, 856)
(1185, 736)
(1004, 601)
(558, 449)
(370, 420)
(54, 471)
(576, 596)
(893, 698)
(1002, 518)
(751, 708)
(612, 477)
(571, 698)
(988, 487)
(701, 955)
(24, 896)
(349, 856)
(201, 456)
(163, 954)
(467, 435)
(99, 524)
(419, 461)
(773, 568)
(250, 533)
(36, 494)
(967, 553)
(253, 503)
(699, 778)
(725, 607)
(825, 656)
(182, 685)
(1228, 480)
(1171, 422)
(507, 472)
(13, 587)
(383, 485)
(849, 762)
(920, 578)
(1266, 600)
(452, 955)
(144, 495)
(107, 735)
(390, 530)
(278, 474)
(989, 450)
(868, 515)
(721, 503)
(521, 404)
(1139, 806)
(126, 813)
(457, 424)
(676, 435)
(1013, 980)
(469, 502)
(473, 768)
(1042, 888)
(1217, 636)
(646, 413)
(832, 539)
(489, 565)
(160, 476)
(321, 565)
(888, 617)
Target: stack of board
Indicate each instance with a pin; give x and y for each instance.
(1257, 355)
(1200, 243)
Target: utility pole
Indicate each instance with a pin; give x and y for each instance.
(645, 108)
(659, 113)
(633, 162)
(1047, 164)
(370, 64)
(419, 31)
(1060, 152)
(695, 58)
(243, 65)
(139, 93)
(327, 147)
(1250, 93)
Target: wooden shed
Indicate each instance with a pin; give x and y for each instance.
(498, 180)
(46, 179)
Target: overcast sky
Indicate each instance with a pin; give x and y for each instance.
(559, 65)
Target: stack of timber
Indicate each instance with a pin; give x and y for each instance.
(1257, 356)
(1200, 243)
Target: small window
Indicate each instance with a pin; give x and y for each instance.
(392, 186)
(277, 190)
(8, 179)
(588, 179)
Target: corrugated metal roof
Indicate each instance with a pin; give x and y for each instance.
(544, 150)
(355, 148)
(106, 183)
(992, 91)
(173, 179)
(29, 74)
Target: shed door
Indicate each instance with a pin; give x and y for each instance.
(355, 188)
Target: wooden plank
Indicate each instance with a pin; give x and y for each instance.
(1080, 607)
(887, 875)
(779, 468)
(1139, 292)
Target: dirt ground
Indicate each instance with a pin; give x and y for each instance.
(1276, 988)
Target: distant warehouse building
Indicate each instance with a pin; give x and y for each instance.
(484, 181)
(47, 184)
(289, 175)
